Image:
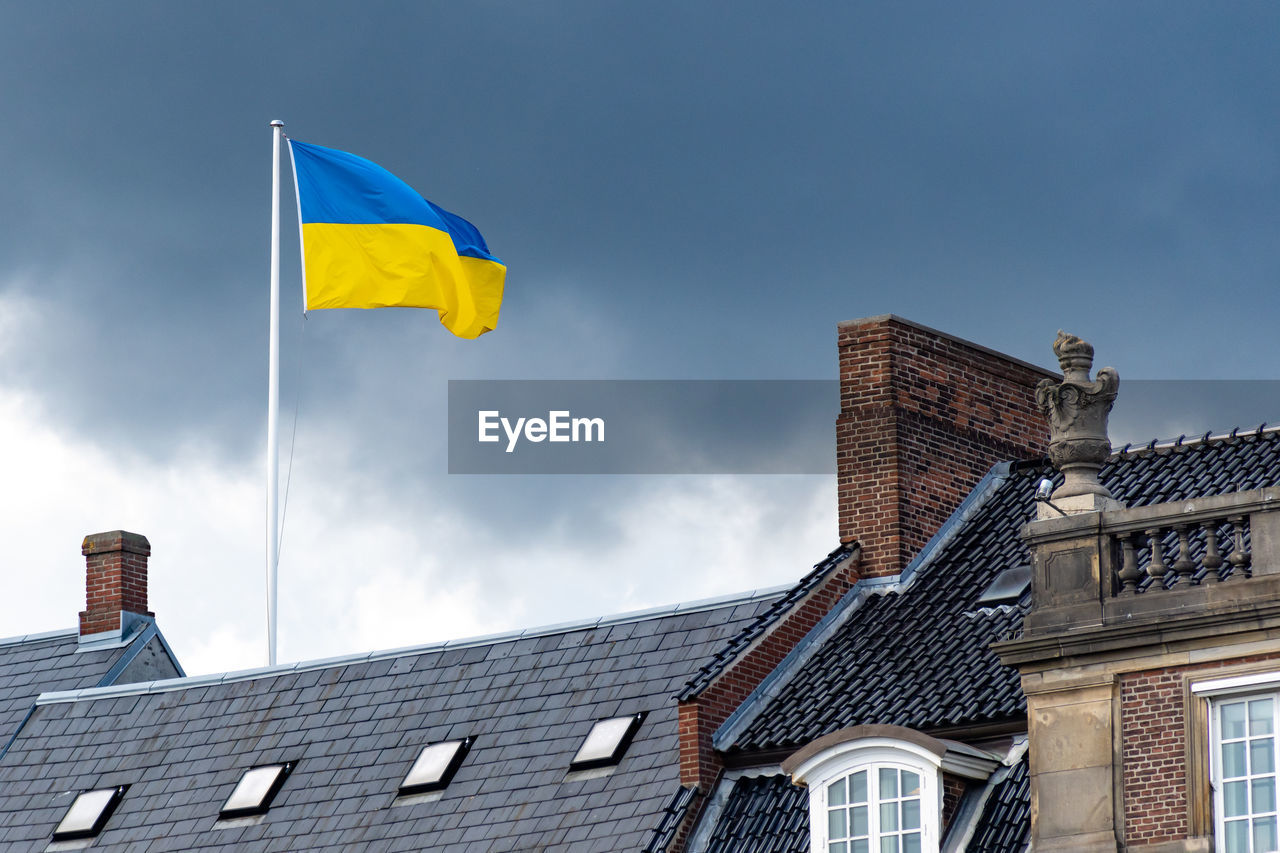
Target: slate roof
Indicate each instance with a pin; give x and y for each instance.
(1005, 825)
(730, 650)
(38, 663)
(355, 728)
(919, 657)
(763, 814)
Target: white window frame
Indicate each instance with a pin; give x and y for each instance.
(870, 754)
(1224, 691)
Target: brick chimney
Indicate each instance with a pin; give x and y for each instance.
(923, 417)
(115, 583)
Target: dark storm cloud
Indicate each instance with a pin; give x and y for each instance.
(1174, 409)
(680, 191)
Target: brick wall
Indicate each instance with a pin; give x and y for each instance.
(1153, 734)
(115, 579)
(953, 791)
(1153, 725)
(923, 417)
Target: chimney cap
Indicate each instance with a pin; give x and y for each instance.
(115, 540)
(886, 319)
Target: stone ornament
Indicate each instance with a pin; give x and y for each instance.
(1077, 409)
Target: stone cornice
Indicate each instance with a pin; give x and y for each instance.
(1195, 621)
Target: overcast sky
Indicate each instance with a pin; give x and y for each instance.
(679, 190)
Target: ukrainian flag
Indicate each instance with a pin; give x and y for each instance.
(370, 241)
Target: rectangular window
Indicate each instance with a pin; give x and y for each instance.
(607, 742)
(1244, 773)
(255, 790)
(89, 813)
(435, 766)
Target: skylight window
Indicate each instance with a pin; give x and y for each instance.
(606, 742)
(435, 766)
(1008, 587)
(256, 789)
(88, 813)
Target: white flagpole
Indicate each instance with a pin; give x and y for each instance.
(273, 396)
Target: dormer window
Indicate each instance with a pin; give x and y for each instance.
(878, 789)
(877, 808)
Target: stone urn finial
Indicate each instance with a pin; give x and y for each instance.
(1077, 409)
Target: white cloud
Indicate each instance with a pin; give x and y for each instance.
(362, 568)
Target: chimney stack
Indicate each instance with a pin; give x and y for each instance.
(923, 417)
(115, 583)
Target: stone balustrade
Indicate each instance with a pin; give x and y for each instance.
(1178, 552)
(1133, 564)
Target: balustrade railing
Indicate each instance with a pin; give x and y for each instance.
(1189, 558)
(1177, 554)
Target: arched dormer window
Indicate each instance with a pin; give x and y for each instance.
(879, 805)
(878, 789)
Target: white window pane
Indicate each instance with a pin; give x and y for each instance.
(1235, 798)
(1233, 760)
(882, 808)
(432, 764)
(1262, 756)
(1264, 795)
(858, 787)
(1260, 714)
(837, 823)
(1233, 721)
(860, 821)
(911, 814)
(84, 812)
(1264, 835)
(888, 783)
(603, 740)
(253, 788)
(1237, 836)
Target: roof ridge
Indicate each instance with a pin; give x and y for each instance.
(736, 646)
(1208, 438)
(34, 638)
(1157, 444)
(210, 679)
